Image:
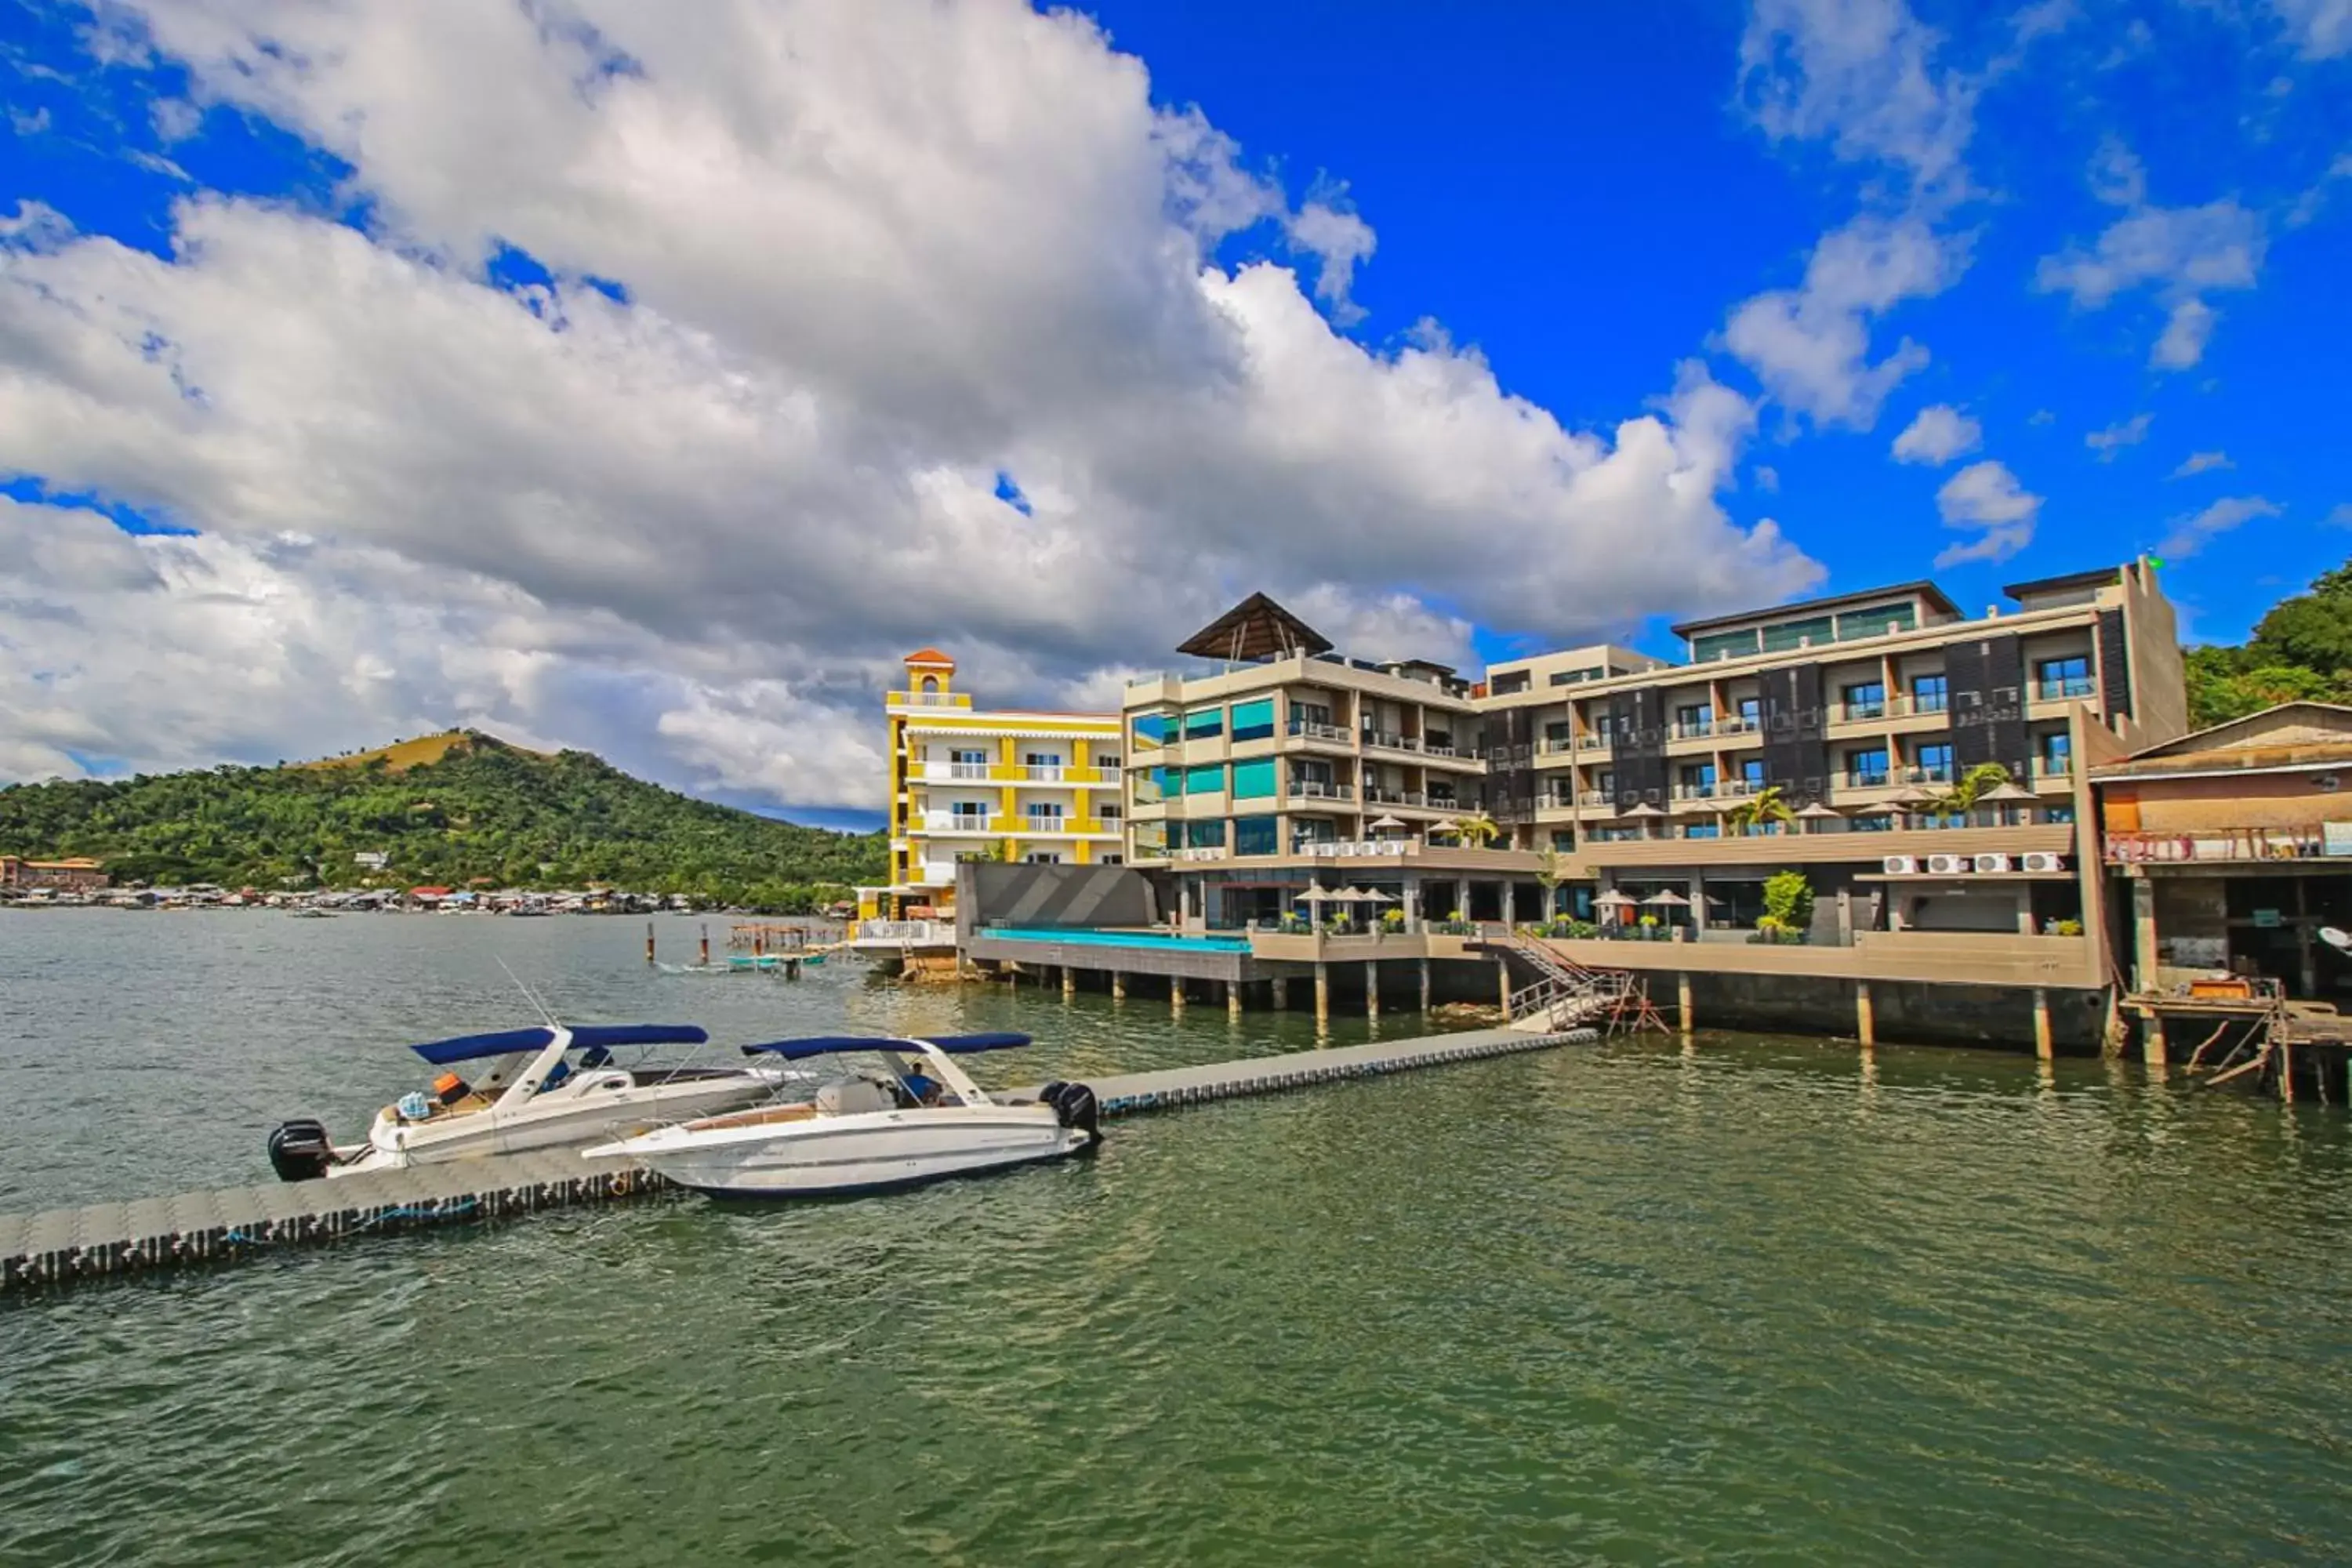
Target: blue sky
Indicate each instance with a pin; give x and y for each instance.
(652, 390)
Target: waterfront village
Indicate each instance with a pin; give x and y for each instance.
(1871, 815)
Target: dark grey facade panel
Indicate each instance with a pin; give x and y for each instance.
(1985, 680)
(2115, 666)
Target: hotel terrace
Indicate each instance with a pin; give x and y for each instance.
(989, 784)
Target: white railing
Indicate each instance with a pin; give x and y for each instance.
(1314, 731)
(2217, 844)
(930, 700)
(1311, 789)
(921, 933)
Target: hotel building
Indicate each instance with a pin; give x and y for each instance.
(988, 785)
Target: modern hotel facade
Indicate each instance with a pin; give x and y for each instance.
(1009, 784)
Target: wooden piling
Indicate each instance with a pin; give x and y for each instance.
(1234, 1000)
(1372, 988)
(1503, 986)
(1425, 985)
(649, 944)
(1322, 992)
(2044, 1042)
(1682, 998)
(1176, 997)
(1865, 1023)
(703, 960)
(2152, 1039)
(1069, 981)
(1118, 986)
(1281, 993)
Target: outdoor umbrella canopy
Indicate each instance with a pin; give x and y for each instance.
(1316, 895)
(1385, 824)
(1667, 899)
(2008, 789)
(1347, 895)
(1613, 900)
(1374, 895)
(1645, 809)
(1815, 811)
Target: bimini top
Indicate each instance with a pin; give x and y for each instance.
(828, 1044)
(507, 1042)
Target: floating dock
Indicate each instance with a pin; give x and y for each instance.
(232, 1223)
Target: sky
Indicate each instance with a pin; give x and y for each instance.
(651, 380)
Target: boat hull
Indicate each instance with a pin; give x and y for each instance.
(625, 1113)
(836, 1156)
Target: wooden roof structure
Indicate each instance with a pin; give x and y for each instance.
(1255, 629)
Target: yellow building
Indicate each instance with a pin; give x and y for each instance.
(973, 783)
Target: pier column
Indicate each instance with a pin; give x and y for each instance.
(1281, 993)
(1866, 1026)
(1234, 1000)
(1117, 986)
(2143, 953)
(2151, 1040)
(1425, 984)
(1682, 998)
(1176, 997)
(2045, 1045)
(1322, 992)
(1069, 981)
(1372, 988)
(1503, 986)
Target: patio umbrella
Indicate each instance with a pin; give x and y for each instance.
(1613, 900)
(1667, 899)
(1645, 809)
(1878, 809)
(1909, 795)
(1315, 895)
(1816, 812)
(1384, 825)
(1374, 895)
(1349, 896)
(2008, 789)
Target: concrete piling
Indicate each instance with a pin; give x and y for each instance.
(1425, 985)
(1865, 1023)
(2044, 1044)
(1683, 999)
(1322, 992)
(1372, 988)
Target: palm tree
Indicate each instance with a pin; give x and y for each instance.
(1766, 806)
(1961, 798)
(1474, 831)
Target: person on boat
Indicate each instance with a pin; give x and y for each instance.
(924, 1088)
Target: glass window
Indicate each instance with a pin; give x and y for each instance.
(1207, 835)
(1044, 811)
(1043, 857)
(1703, 830)
(1253, 836)
(1751, 710)
(1696, 719)
(1255, 780)
(969, 756)
(1309, 713)
(1928, 694)
(2056, 753)
(1877, 621)
(1205, 778)
(1698, 779)
(1205, 723)
(1558, 732)
(1723, 645)
(1866, 765)
(1934, 760)
(1751, 772)
(1792, 635)
(1153, 731)
(1563, 839)
(2069, 677)
(1866, 700)
(1041, 760)
(1254, 720)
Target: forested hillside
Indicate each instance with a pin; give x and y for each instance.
(2302, 648)
(481, 809)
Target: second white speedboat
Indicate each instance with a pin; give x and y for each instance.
(541, 1089)
(919, 1119)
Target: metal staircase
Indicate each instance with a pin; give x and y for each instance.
(1566, 994)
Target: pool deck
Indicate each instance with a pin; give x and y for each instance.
(229, 1224)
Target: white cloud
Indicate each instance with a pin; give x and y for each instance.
(2114, 438)
(875, 255)
(1810, 345)
(2118, 176)
(2321, 30)
(2340, 516)
(2182, 253)
(2192, 534)
(2201, 462)
(1859, 75)
(1986, 497)
(1937, 435)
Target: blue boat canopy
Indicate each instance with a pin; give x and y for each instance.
(585, 1036)
(829, 1045)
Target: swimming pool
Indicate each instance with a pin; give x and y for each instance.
(1085, 938)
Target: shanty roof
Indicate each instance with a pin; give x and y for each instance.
(1255, 628)
(928, 655)
(2286, 738)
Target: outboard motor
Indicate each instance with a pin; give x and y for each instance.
(298, 1150)
(1075, 1106)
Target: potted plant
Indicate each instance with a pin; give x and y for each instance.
(1788, 905)
(1392, 920)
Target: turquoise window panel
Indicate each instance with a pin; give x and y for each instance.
(1253, 781)
(1255, 835)
(1206, 778)
(1205, 723)
(1252, 721)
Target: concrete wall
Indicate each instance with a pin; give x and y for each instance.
(1941, 958)
(1062, 896)
(1902, 1013)
(2159, 675)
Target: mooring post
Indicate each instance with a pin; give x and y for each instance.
(2286, 1072)
(2152, 1039)
(1682, 998)
(2044, 1044)
(649, 944)
(704, 962)
(1281, 990)
(1176, 995)
(1069, 981)
(1234, 1000)
(1424, 985)
(1322, 992)
(1118, 986)
(1503, 984)
(1372, 988)
(1866, 1026)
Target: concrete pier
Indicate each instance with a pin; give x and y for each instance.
(1865, 1024)
(1372, 988)
(234, 1222)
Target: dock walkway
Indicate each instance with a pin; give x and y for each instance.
(232, 1223)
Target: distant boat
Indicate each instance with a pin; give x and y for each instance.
(311, 914)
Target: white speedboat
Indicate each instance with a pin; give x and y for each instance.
(918, 1119)
(543, 1088)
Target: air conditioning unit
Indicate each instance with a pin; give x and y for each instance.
(1900, 865)
(1946, 865)
(1988, 865)
(2042, 860)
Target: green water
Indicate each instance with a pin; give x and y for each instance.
(1761, 1301)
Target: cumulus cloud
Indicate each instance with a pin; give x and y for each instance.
(1986, 497)
(870, 259)
(2191, 533)
(1859, 75)
(1810, 345)
(2181, 254)
(2201, 462)
(1937, 435)
(2114, 438)
(2321, 30)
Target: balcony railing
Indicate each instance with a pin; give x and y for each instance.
(1932, 772)
(1551, 746)
(1315, 789)
(2059, 690)
(1862, 713)
(1694, 729)
(1309, 729)
(1599, 741)
(1432, 751)
(1390, 741)
(1694, 792)
(1874, 778)
(930, 700)
(2217, 843)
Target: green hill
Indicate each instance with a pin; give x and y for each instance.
(446, 809)
(2302, 648)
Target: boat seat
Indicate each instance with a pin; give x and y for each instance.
(799, 1111)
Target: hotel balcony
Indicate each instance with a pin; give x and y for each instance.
(1848, 845)
(971, 825)
(2225, 844)
(1013, 774)
(926, 700)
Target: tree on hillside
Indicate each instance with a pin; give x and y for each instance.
(2300, 650)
